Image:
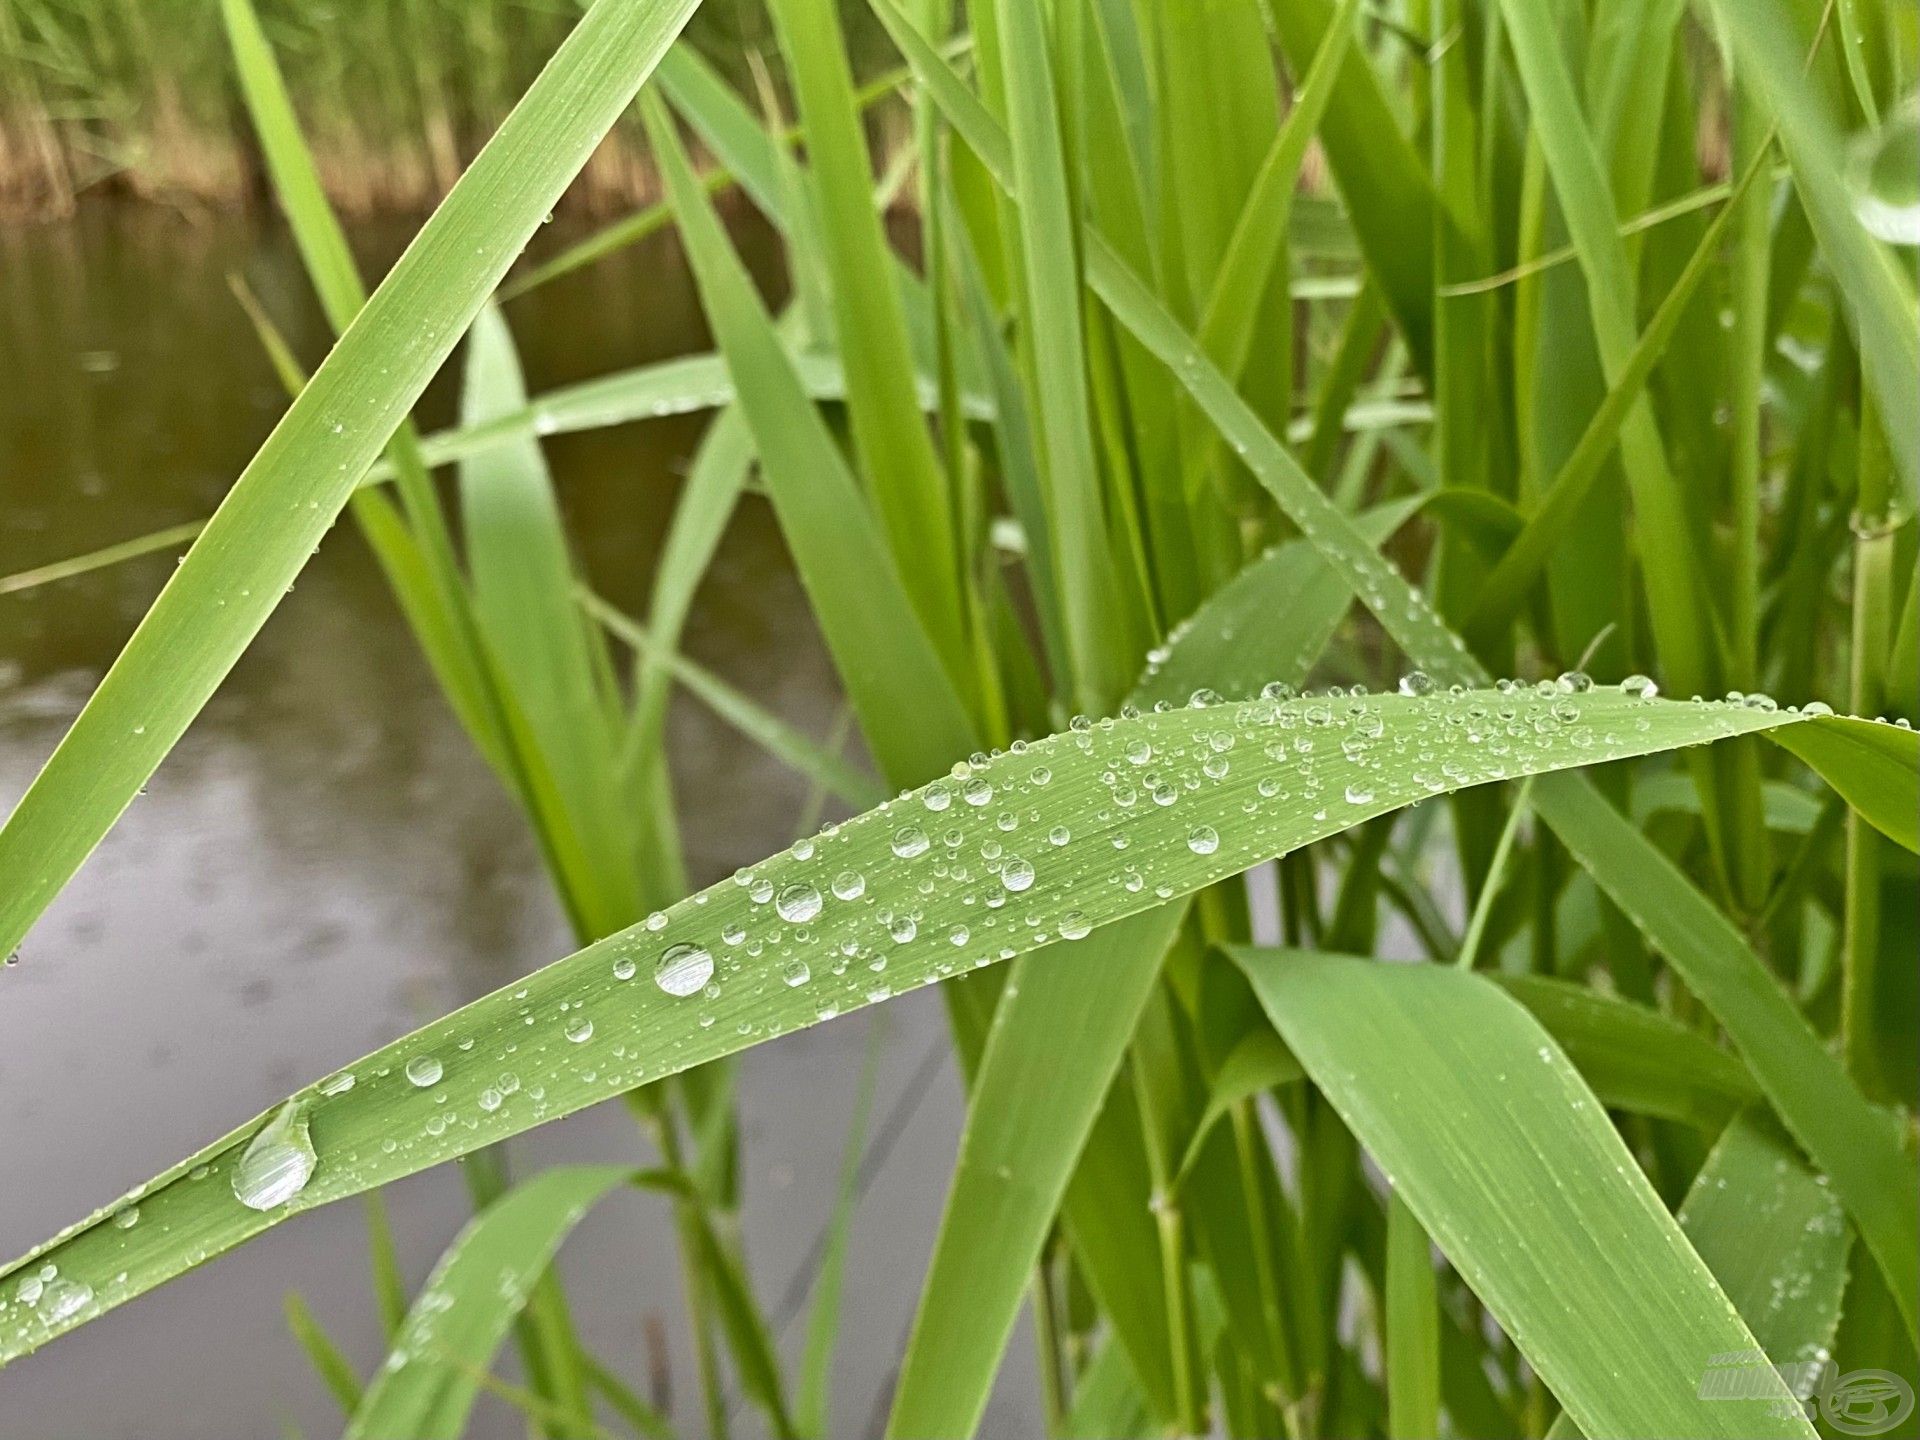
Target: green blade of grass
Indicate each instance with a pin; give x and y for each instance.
(470, 1301)
(1388, 192)
(1853, 1143)
(389, 1285)
(296, 484)
(1776, 1240)
(333, 1368)
(1270, 621)
(1879, 294)
(1672, 570)
(1093, 621)
(1106, 1399)
(767, 730)
(1500, 595)
(1634, 1057)
(1016, 1159)
(1412, 1324)
(915, 721)
(895, 450)
(651, 219)
(1488, 1133)
(1871, 766)
(522, 583)
(438, 1093)
(812, 1412)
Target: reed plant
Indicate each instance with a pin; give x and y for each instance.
(1513, 1034)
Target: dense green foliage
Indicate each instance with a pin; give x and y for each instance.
(1568, 341)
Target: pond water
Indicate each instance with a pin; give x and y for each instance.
(324, 862)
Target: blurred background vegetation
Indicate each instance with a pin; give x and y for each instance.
(395, 96)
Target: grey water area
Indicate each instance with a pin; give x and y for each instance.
(324, 862)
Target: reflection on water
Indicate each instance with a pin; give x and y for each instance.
(323, 861)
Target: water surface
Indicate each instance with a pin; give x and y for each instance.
(323, 862)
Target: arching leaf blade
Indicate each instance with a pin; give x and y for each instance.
(596, 1024)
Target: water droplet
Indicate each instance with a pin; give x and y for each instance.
(902, 928)
(278, 1161)
(1059, 835)
(1016, 874)
(1416, 682)
(624, 968)
(798, 903)
(337, 1084)
(849, 885)
(1575, 682)
(63, 1299)
(796, 973)
(491, 1100)
(1074, 925)
(424, 1070)
(683, 969)
(126, 1217)
(1816, 708)
(1640, 687)
(936, 796)
(1204, 840)
(1883, 171)
(976, 792)
(909, 841)
(579, 1030)
(1359, 795)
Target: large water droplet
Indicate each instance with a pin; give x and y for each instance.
(1016, 874)
(796, 973)
(277, 1162)
(683, 969)
(1416, 682)
(1640, 687)
(797, 903)
(1204, 840)
(909, 841)
(424, 1070)
(1883, 171)
(1074, 925)
(849, 885)
(624, 968)
(579, 1029)
(63, 1299)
